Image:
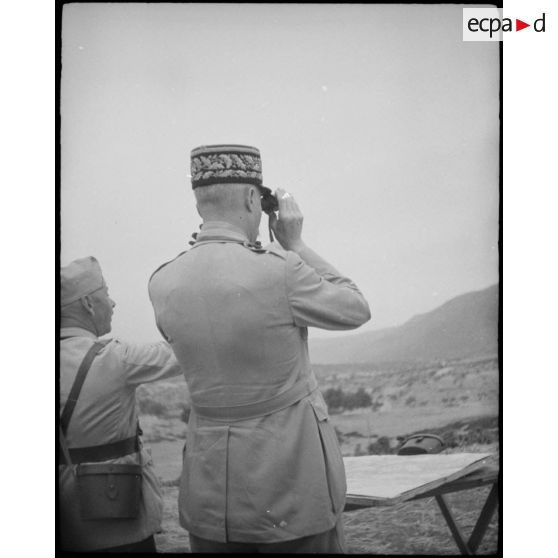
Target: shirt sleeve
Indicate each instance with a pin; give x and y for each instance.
(149, 362)
(320, 296)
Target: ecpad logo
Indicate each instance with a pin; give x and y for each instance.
(488, 24)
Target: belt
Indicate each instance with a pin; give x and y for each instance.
(293, 395)
(104, 452)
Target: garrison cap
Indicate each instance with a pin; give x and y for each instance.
(79, 278)
(218, 164)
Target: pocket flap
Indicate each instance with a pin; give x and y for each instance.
(320, 407)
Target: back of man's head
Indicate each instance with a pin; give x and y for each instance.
(84, 299)
(227, 183)
(79, 278)
(218, 201)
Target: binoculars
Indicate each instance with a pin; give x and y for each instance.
(269, 203)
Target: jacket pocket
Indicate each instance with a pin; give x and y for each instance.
(203, 485)
(335, 469)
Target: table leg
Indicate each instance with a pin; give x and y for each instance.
(458, 537)
(484, 519)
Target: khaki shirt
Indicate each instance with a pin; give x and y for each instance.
(236, 318)
(106, 412)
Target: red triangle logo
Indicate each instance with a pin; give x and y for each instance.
(519, 25)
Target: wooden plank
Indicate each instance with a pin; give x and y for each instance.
(354, 502)
(380, 480)
(486, 477)
(455, 531)
(484, 519)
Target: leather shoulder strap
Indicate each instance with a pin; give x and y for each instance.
(78, 383)
(65, 450)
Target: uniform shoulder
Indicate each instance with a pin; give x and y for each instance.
(274, 248)
(111, 344)
(165, 264)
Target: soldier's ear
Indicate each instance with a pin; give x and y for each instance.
(87, 303)
(251, 198)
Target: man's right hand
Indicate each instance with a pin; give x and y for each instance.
(287, 226)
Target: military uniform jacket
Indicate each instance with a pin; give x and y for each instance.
(106, 412)
(236, 318)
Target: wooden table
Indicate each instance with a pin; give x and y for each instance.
(387, 480)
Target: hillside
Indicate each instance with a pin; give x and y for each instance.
(464, 327)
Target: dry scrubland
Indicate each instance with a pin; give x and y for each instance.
(456, 399)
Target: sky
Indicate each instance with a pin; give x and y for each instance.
(379, 119)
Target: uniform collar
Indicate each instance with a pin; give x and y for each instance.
(221, 230)
(76, 332)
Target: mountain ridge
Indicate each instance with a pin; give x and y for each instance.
(463, 327)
